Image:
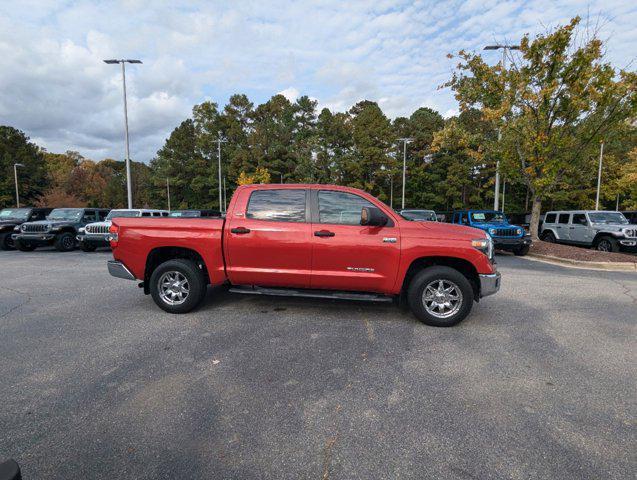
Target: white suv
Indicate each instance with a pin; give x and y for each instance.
(606, 231)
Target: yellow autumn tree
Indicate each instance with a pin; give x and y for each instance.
(261, 175)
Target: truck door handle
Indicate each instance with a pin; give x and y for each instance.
(571, 228)
(240, 230)
(324, 233)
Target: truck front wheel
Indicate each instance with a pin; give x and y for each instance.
(178, 286)
(440, 296)
(521, 251)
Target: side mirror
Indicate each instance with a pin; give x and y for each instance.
(373, 217)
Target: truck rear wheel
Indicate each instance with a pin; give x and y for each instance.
(178, 286)
(440, 296)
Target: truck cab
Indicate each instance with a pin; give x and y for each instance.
(512, 238)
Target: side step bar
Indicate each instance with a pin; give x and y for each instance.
(289, 292)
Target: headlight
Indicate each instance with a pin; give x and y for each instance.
(16, 228)
(53, 229)
(485, 245)
(629, 232)
(518, 231)
(81, 230)
(492, 231)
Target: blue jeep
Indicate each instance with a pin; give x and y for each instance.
(505, 236)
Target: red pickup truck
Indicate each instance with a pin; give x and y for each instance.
(308, 240)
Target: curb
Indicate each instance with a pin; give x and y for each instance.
(608, 266)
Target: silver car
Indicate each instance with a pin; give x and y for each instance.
(606, 231)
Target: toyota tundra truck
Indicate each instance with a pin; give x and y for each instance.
(308, 240)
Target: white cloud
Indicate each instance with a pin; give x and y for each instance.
(56, 88)
(290, 93)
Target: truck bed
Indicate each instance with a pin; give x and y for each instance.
(139, 237)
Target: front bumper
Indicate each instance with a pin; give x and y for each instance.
(119, 270)
(511, 243)
(489, 284)
(34, 238)
(100, 240)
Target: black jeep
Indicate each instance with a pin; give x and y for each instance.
(10, 218)
(59, 229)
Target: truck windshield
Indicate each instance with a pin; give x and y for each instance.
(487, 217)
(419, 215)
(15, 213)
(608, 217)
(65, 214)
(122, 214)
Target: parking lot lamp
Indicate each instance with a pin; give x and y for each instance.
(168, 192)
(599, 174)
(15, 176)
(220, 140)
(504, 48)
(405, 142)
(123, 62)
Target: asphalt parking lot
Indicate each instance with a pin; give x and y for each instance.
(97, 382)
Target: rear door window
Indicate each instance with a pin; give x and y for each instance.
(285, 205)
(563, 218)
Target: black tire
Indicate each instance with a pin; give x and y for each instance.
(64, 242)
(24, 247)
(87, 247)
(447, 275)
(6, 242)
(521, 251)
(196, 285)
(548, 237)
(607, 244)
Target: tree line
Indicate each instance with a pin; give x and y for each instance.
(543, 118)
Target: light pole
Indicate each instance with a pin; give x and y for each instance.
(599, 174)
(168, 192)
(405, 142)
(123, 62)
(219, 142)
(504, 48)
(15, 176)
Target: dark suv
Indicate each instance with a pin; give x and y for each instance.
(59, 229)
(10, 218)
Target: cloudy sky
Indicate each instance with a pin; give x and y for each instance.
(54, 86)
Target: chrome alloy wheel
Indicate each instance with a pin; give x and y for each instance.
(442, 298)
(173, 288)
